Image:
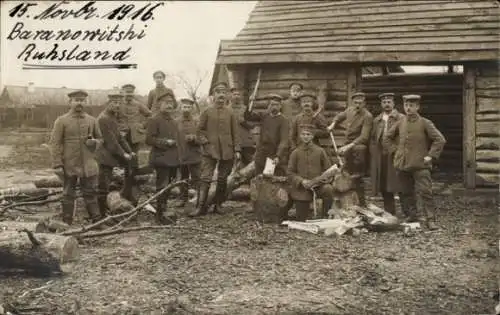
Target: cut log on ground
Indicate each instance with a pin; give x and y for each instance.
(24, 191)
(269, 198)
(37, 227)
(38, 254)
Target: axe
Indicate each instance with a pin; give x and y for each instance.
(341, 163)
(254, 94)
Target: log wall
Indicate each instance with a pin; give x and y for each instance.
(441, 103)
(487, 124)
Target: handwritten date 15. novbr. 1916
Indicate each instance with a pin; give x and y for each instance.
(128, 11)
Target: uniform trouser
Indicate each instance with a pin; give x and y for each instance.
(355, 160)
(416, 194)
(324, 192)
(224, 168)
(88, 186)
(130, 172)
(163, 178)
(104, 179)
(190, 171)
(388, 197)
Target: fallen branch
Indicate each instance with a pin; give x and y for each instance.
(28, 203)
(125, 214)
(141, 228)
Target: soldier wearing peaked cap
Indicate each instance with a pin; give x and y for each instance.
(73, 142)
(384, 179)
(191, 159)
(219, 136)
(132, 115)
(247, 143)
(307, 162)
(307, 117)
(160, 89)
(418, 144)
(358, 123)
(114, 151)
(273, 138)
(291, 106)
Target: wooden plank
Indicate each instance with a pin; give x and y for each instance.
(487, 83)
(304, 74)
(269, 7)
(459, 13)
(487, 179)
(416, 43)
(488, 117)
(487, 155)
(430, 30)
(351, 84)
(469, 133)
(488, 167)
(421, 57)
(335, 85)
(488, 93)
(298, 12)
(475, 21)
(490, 70)
(488, 143)
(487, 105)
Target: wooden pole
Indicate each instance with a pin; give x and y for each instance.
(469, 126)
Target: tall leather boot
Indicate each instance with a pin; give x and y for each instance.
(302, 210)
(103, 206)
(389, 202)
(425, 208)
(327, 205)
(68, 208)
(408, 207)
(164, 215)
(202, 207)
(220, 196)
(360, 191)
(93, 211)
(184, 195)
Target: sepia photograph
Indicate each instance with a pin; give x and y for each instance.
(250, 157)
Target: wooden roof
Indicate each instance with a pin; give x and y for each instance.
(20, 96)
(367, 31)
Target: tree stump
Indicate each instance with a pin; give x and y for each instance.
(269, 196)
(37, 227)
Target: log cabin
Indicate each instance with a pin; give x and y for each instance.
(336, 43)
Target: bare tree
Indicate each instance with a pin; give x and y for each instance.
(191, 84)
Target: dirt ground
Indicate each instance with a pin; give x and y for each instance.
(226, 264)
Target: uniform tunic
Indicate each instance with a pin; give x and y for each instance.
(130, 120)
(306, 162)
(154, 94)
(318, 121)
(273, 139)
(68, 147)
(160, 128)
(291, 108)
(113, 147)
(192, 150)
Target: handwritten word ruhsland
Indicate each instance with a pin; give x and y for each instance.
(114, 33)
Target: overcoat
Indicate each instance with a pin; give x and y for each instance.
(382, 171)
(130, 119)
(318, 121)
(191, 149)
(159, 129)
(111, 149)
(67, 142)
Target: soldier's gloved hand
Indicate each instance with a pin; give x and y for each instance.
(59, 171)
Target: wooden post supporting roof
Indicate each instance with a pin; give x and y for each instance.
(469, 127)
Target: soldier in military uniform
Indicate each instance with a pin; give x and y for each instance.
(166, 141)
(307, 162)
(307, 117)
(358, 124)
(247, 143)
(73, 142)
(132, 128)
(383, 174)
(218, 132)
(419, 144)
(273, 140)
(191, 158)
(114, 151)
(291, 106)
(160, 89)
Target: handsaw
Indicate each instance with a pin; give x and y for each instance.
(254, 94)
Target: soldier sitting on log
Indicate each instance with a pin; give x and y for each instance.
(73, 143)
(358, 127)
(219, 135)
(163, 135)
(419, 144)
(191, 155)
(273, 140)
(307, 117)
(113, 151)
(307, 162)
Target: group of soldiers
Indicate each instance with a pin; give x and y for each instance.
(400, 147)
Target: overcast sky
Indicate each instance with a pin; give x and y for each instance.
(183, 37)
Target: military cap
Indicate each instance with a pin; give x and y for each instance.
(79, 93)
(273, 96)
(411, 97)
(386, 95)
(304, 95)
(308, 127)
(186, 101)
(128, 89)
(115, 95)
(159, 72)
(358, 94)
(296, 83)
(233, 89)
(165, 95)
(221, 84)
